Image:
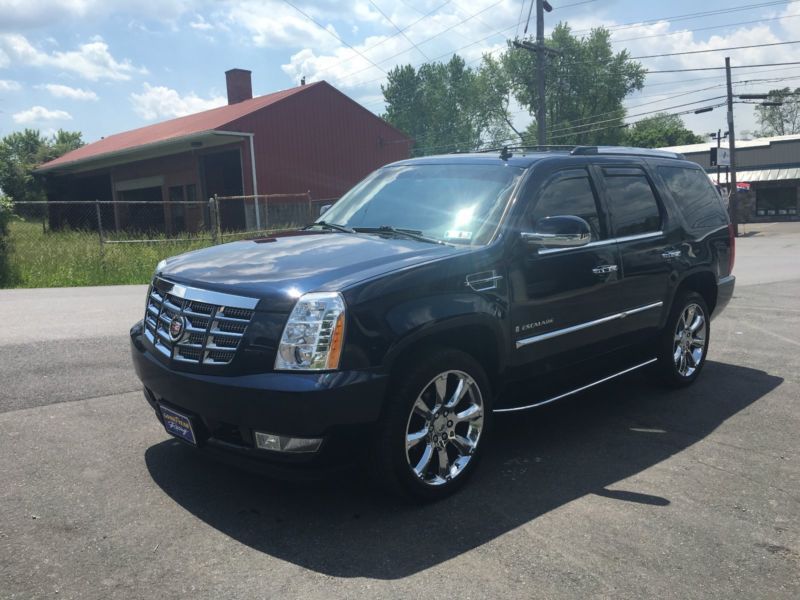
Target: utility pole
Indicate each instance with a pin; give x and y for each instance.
(733, 199)
(540, 91)
(541, 51)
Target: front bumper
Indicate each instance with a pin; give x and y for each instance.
(227, 410)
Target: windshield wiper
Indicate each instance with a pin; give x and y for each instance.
(409, 233)
(331, 227)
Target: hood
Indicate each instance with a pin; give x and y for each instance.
(281, 268)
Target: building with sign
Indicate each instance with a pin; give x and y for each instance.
(767, 173)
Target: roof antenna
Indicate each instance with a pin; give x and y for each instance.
(505, 154)
(303, 80)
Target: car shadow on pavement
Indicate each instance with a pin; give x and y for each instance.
(539, 460)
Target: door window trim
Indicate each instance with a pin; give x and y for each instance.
(573, 172)
(619, 240)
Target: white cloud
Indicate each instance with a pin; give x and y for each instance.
(64, 91)
(482, 27)
(157, 102)
(91, 60)
(26, 14)
(39, 114)
(200, 24)
(8, 85)
(276, 24)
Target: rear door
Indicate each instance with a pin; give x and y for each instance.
(639, 225)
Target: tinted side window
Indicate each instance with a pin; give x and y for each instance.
(695, 196)
(633, 205)
(569, 193)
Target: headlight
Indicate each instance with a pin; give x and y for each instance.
(314, 334)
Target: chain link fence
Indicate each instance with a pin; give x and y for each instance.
(67, 243)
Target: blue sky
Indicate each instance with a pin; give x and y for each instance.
(103, 66)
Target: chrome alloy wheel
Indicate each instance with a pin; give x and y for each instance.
(690, 340)
(444, 427)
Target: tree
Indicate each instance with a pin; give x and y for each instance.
(780, 120)
(22, 151)
(659, 131)
(586, 83)
(448, 107)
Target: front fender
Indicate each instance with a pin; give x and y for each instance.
(448, 317)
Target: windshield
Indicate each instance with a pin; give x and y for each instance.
(457, 203)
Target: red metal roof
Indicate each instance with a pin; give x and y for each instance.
(208, 120)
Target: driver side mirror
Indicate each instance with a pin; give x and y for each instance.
(559, 232)
(324, 208)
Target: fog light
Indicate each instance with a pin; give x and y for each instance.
(281, 443)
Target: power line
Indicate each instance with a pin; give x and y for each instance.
(528, 21)
(451, 52)
(690, 16)
(714, 50)
(400, 31)
(658, 35)
(506, 29)
(722, 68)
(525, 138)
(624, 109)
(649, 112)
(332, 34)
(684, 112)
(574, 4)
(383, 60)
(386, 39)
(519, 19)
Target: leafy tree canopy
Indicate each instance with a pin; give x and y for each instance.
(586, 83)
(22, 151)
(780, 120)
(659, 131)
(447, 107)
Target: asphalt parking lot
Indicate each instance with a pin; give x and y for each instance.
(624, 491)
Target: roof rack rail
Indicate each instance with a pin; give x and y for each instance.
(624, 151)
(540, 147)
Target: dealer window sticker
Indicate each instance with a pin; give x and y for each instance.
(458, 235)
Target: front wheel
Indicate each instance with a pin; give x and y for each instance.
(684, 341)
(435, 426)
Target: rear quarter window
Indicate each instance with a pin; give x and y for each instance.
(696, 198)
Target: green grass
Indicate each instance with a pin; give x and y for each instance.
(74, 258)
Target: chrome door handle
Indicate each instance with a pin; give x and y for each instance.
(604, 269)
(670, 254)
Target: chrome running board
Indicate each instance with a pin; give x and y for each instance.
(576, 390)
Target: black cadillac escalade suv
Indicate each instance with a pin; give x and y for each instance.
(405, 315)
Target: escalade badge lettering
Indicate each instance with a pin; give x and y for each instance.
(176, 327)
(534, 325)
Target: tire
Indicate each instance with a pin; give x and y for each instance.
(682, 347)
(421, 452)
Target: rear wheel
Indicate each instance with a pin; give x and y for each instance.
(684, 341)
(435, 426)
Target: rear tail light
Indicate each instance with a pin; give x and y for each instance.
(732, 240)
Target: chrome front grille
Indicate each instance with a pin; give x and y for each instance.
(196, 326)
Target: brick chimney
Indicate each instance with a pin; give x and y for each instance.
(239, 85)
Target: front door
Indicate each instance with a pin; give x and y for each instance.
(564, 299)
